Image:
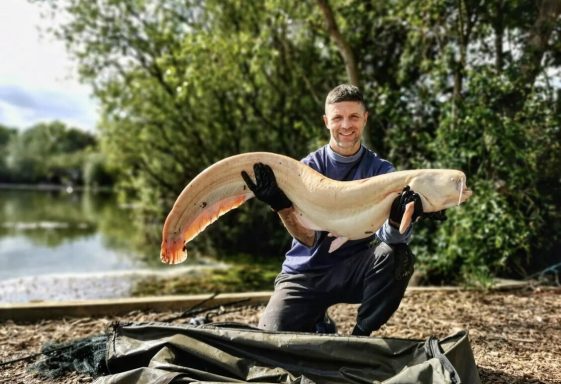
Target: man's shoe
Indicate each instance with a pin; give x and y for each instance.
(327, 325)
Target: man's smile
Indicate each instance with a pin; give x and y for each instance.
(345, 120)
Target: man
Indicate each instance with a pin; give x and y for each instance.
(312, 279)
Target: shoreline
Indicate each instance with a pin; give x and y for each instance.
(123, 284)
(120, 306)
(88, 286)
(52, 187)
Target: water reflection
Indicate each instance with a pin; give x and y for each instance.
(53, 232)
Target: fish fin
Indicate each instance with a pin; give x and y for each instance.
(337, 243)
(407, 217)
(175, 251)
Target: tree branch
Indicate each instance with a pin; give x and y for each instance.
(347, 54)
(498, 26)
(344, 48)
(538, 41)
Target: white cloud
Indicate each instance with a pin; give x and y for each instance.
(38, 81)
(23, 107)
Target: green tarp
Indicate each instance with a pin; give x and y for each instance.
(163, 353)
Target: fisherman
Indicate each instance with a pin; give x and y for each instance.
(373, 271)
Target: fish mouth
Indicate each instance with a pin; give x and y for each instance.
(465, 194)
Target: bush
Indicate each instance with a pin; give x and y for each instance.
(97, 172)
(506, 157)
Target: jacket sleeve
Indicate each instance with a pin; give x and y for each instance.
(391, 235)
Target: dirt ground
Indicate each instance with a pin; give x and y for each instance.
(515, 335)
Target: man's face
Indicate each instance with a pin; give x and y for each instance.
(346, 121)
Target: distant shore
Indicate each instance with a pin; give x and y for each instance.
(52, 187)
(87, 286)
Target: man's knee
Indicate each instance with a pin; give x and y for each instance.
(287, 318)
(294, 305)
(271, 320)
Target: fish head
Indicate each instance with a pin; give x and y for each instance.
(440, 188)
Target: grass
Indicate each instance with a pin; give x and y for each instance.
(246, 275)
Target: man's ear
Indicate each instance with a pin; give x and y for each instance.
(325, 121)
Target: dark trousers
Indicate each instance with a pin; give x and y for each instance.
(376, 278)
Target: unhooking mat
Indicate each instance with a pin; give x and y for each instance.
(163, 353)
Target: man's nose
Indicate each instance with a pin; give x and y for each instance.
(346, 123)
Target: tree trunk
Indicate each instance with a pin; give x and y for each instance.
(346, 52)
(538, 41)
(344, 48)
(498, 28)
(533, 51)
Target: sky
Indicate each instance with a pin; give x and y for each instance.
(38, 80)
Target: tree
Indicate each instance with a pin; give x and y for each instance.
(464, 84)
(49, 152)
(347, 53)
(6, 135)
(184, 84)
(490, 112)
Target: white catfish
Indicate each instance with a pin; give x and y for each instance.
(349, 210)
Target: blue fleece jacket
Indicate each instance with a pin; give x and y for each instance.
(363, 164)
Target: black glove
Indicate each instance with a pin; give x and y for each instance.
(265, 187)
(398, 207)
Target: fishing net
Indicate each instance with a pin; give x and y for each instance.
(88, 355)
(85, 356)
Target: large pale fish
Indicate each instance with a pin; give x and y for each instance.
(349, 210)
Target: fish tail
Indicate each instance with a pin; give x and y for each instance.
(173, 251)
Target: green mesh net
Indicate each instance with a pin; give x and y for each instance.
(85, 356)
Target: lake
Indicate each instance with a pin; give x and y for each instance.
(59, 245)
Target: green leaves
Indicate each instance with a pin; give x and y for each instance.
(47, 152)
(501, 229)
(463, 85)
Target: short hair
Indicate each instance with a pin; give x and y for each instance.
(345, 92)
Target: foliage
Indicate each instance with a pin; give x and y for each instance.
(509, 161)
(5, 137)
(184, 85)
(501, 127)
(52, 153)
(97, 172)
(244, 274)
(463, 84)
